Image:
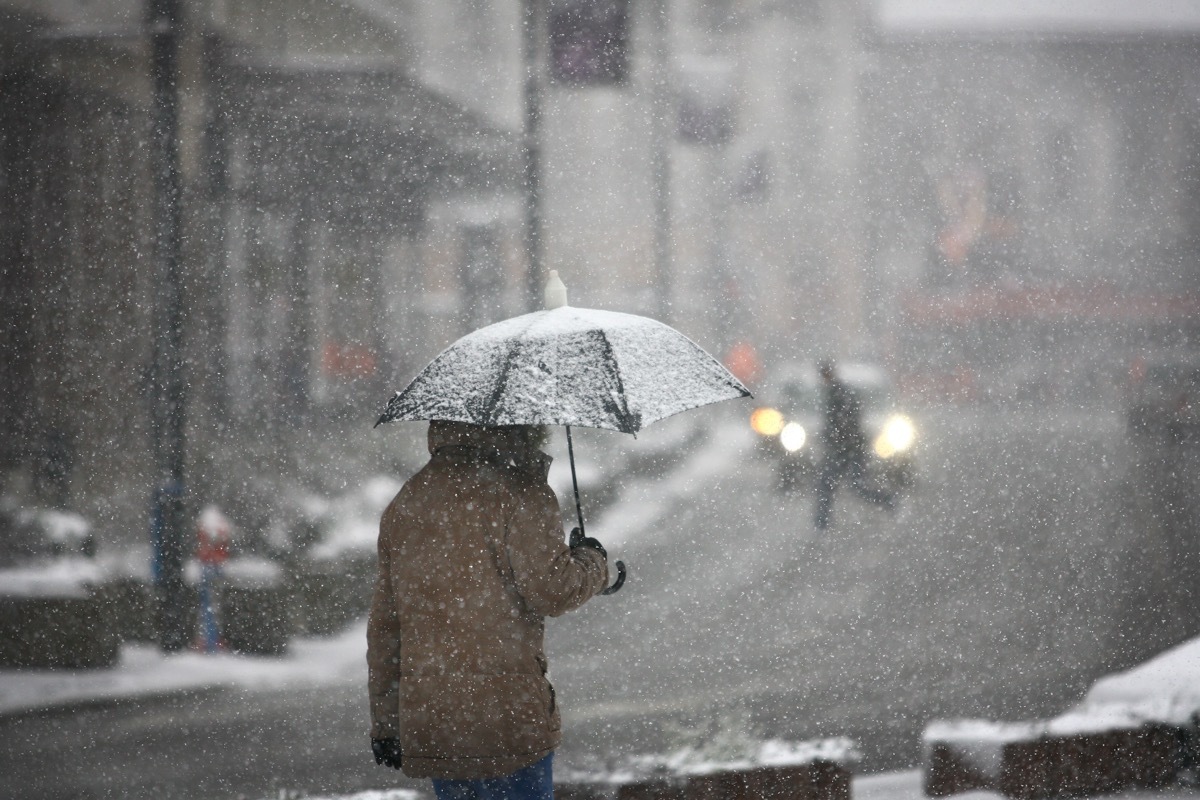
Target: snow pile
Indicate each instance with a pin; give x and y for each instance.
(371, 794)
(71, 577)
(770, 753)
(62, 527)
(1164, 690)
(729, 753)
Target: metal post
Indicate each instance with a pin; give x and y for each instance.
(163, 20)
(533, 28)
(662, 111)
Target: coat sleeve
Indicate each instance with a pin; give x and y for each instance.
(551, 578)
(383, 646)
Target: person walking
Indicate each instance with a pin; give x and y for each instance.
(214, 534)
(471, 562)
(845, 454)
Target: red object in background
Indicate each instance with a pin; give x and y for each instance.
(1137, 370)
(214, 533)
(742, 360)
(347, 360)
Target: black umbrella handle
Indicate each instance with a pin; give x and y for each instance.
(620, 581)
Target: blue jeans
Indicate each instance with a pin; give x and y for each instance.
(535, 782)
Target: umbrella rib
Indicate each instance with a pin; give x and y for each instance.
(502, 381)
(393, 409)
(627, 420)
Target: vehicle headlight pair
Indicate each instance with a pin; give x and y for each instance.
(769, 422)
(897, 436)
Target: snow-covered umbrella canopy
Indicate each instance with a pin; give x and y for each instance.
(567, 366)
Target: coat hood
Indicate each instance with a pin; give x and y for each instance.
(445, 433)
(509, 442)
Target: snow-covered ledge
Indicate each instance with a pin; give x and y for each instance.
(1127, 732)
(812, 770)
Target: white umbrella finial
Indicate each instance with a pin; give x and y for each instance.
(556, 291)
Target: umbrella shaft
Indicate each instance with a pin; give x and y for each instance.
(574, 480)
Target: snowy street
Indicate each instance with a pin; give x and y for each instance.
(1006, 598)
(1019, 573)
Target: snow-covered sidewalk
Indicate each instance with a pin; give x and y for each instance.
(145, 671)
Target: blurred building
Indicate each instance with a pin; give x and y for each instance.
(313, 162)
(1035, 221)
(986, 193)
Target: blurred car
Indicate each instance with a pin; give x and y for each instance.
(789, 425)
(1164, 398)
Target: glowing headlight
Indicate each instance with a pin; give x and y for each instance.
(898, 435)
(766, 421)
(792, 436)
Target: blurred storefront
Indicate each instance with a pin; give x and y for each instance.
(310, 160)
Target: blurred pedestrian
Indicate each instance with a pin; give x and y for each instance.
(214, 533)
(471, 561)
(845, 454)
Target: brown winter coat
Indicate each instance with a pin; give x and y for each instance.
(471, 561)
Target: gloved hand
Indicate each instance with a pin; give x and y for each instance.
(387, 752)
(579, 540)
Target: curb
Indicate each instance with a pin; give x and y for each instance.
(70, 706)
(1036, 765)
(817, 780)
(1148, 757)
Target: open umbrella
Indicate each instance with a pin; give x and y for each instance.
(567, 366)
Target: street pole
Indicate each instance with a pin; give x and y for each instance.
(168, 526)
(662, 111)
(533, 29)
